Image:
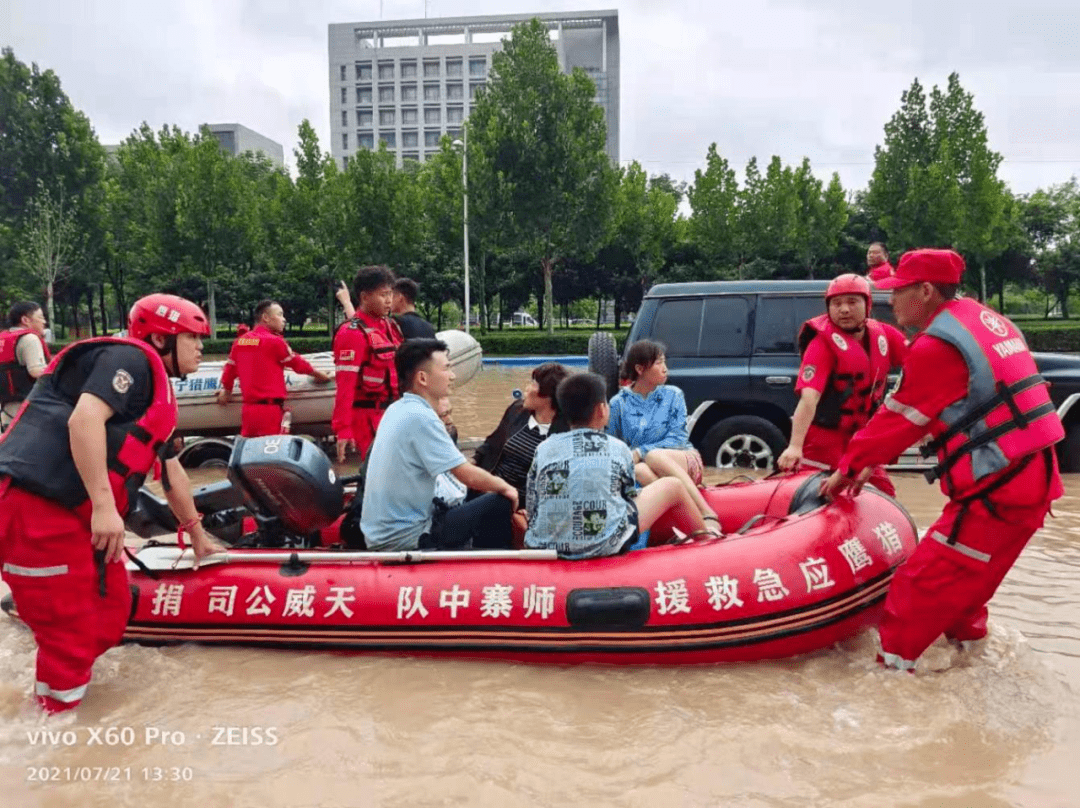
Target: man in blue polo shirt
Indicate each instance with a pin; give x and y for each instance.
(411, 449)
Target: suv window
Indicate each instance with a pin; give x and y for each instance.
(677, 326)
(779, 319)
(723, 331)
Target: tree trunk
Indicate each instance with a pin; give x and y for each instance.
(75, 318)
(1001, 296)
(599, 309)
(482, 266)
(211, 304)
(438, 320)
(982, 282)
(50, 303)
(104, 315)
(90, 308)
(548, 266)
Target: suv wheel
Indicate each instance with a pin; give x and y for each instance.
(604, 360)
(744, 442)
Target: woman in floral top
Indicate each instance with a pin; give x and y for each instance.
(650, 417)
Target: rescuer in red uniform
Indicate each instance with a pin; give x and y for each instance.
(258, 359)
(970, 383)
(23, 357)
(877, 262)
(364, 361)
(842, 380)
(91, 429)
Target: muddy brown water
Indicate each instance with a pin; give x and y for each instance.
(240, 727)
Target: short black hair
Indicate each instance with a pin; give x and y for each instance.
(643, 352)
(947, 290)
(547, 377)
(407, 288)
(368, 279)
(410, 355)
(21, 309)
(578, 394)
(261, 307)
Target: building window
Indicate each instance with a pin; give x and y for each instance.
(386, 95)
(410, 156)
(454, 114)
(431, 138)
(409, 117)
(453, 67)
(344, 95)
(431, 92)
(408, 70)
(344, 117)
(363, 95)
(478, 68)
(454, 92)
(386, 117)
(363, 117)
(431, 68)
(365, 141)
(453, 134)
(345, 162)
(344, 141)
(409, 140)
(389, 138)
(474, 88)
(408, 92)
(386, 70)
(432, 115)
(343, 73)
(363, 71)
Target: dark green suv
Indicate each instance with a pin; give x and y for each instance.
(731, 349)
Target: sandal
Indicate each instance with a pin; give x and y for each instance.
(714, 531)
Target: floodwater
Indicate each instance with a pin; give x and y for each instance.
(221, 727)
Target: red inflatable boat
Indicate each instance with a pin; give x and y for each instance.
(792, 576)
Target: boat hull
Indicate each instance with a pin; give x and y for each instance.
(311, 404)
(789, 585)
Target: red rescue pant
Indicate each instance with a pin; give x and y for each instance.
(364, 423)
(823, 450)
(258, 420)
(48, 561)
(944, 588)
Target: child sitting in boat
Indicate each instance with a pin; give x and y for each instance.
(581, 495)
(650, 417)
(411, 449)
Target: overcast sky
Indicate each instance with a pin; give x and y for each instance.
(815, 78)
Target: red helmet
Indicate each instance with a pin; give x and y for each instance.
(166, 314)
(850, 284)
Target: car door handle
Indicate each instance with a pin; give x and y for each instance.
(778, 380)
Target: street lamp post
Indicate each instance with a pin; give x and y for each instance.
(464, 146)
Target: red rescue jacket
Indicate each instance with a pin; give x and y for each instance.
(376, 375)
(857, 384)
(1007, 413)
(15, 381)
(35, 451)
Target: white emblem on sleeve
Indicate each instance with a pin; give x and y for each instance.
(122, 381)
(883, 345)
(841, 343)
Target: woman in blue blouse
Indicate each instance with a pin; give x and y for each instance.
(650, 417)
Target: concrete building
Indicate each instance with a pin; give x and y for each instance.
(236, 139)
(409, 82)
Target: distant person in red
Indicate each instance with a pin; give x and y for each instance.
(364, 348)
(971, 384)
(242, 329)
(259, 358)
(95, 424)
(845, 368)
(877, 262)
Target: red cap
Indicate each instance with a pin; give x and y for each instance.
(924, 266)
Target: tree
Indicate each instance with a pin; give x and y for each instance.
(713, 224)
(820, 216)
(51, 241)
(539, 135)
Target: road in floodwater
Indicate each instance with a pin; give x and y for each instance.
(830, 729)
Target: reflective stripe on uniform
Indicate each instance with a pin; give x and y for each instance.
(970, 552)
(897, 662)
(347, 368)
(907, 411)
(36, 572)
(66, 696)
(815, 464)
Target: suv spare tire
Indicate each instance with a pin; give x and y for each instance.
(743, 441)
(604, 360)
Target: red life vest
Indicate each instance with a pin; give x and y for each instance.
(15, 380)
(1007, 413)
(858, 381)
(35, 451)
(377, 377)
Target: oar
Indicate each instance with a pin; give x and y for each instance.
(172, 558)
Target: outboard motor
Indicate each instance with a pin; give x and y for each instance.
(290, 487)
